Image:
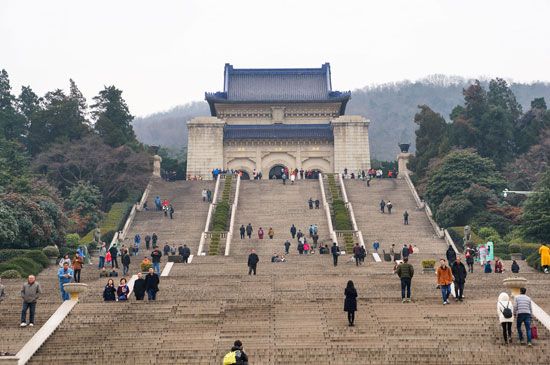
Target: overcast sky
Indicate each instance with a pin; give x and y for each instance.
(166, 53)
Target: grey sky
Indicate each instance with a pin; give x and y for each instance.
(165, 53)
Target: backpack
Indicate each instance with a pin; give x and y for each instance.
(230, 358)
(507, 312)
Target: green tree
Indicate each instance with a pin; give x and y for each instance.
(83, 204)
(457, 172)
(112, 117)
(62, 119)
(431, 139)
(536, 215)
(12, 124)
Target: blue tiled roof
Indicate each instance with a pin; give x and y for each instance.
(278, 131)
(277, 85)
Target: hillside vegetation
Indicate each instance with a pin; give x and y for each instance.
(390, 107)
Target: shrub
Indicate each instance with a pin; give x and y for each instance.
(221, 216)
(214, 247)
(10, 266)
(8, 254)
(145, 266)
(51, 251)
(533, 260)
(72, 240)
(428, 264)
(514, 248)
(487, 232)
(10, 274)
(28, 266)
(67, 251)
(39, 257)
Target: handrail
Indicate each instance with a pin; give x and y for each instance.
(209, 217)
(327, 210)
(233, 213)
(441, 233)
(135, 208)
(350, 209)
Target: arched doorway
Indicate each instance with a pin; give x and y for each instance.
(276, 172)
(245, 175)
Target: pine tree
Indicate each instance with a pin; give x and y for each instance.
(12, 125)
(112, 117)
(536, 214)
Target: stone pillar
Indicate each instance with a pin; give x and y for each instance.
(351, 143)
(402, 161)
(204, 146)
(156, 165)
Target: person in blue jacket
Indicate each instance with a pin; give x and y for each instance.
(65, 275)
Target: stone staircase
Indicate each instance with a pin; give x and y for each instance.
(189, 214)
(269, 203)
(291, 313)
(387, 228)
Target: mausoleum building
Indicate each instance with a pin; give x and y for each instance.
(265, 119)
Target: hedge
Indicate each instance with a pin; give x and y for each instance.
(10, 274)
(221, 217)
(38, 257)
(111, 223)
(26, 263)
(28, 266)
(8, 254)
(340, 214)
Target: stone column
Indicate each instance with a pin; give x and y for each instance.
(204, 146)
(351, 143)
(156, 165)
(402, 161)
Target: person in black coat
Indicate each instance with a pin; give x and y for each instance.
(451, 254)
(109, 293)
(114, 257)
(293, 231)
(350, 303)
(152, 284)
(253, 260)
(242, 230)
(139, 287)
(335, 251)
(249, 230)
(515, 267)
(185, 253)
(459, 277)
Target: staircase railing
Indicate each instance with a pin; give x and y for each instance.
(350, 209)
(135, 208)
(327, 210)
(440, 232)
(209, 217)
(233, 213)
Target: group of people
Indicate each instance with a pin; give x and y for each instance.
(248, 231)
(149, 285)
(370, 174)
(206, 195)
(163, 205)
(311, 203)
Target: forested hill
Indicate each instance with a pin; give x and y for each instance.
(390, 107)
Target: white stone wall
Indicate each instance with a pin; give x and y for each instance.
(205, 146)
(351, 143)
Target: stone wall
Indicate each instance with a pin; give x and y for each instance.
(351, 143)
(263, 155)
(205, 146)
(311, 113)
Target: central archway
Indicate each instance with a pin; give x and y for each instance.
(276, 172)
(244, 175)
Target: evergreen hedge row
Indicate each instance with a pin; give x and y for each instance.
(340, 214)
(221, 217)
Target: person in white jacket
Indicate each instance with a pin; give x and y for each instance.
(505, 306)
